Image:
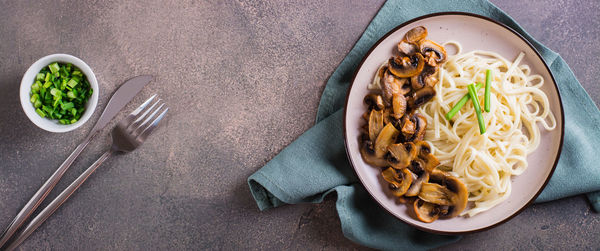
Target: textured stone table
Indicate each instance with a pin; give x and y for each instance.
(243, 80)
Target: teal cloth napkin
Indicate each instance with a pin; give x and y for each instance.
(316, 165)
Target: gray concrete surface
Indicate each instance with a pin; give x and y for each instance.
(243, 79)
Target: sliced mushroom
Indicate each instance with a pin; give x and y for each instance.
(421, 97)
(437, 194)
(386, 137)
(392, 85)
(416, 34)
(367, 151)
(458, 187)
(399, 181)
(398, 156)
(416, 167)
(427, 77)
(398, 106)
(406, 67)
(415, 187)
(434, 53)
(376, 84)
(407, 48)
(374, 101)
(425, 211)
(408, 127)
(375, 124)
(412, 149)
(420, 126)
(422, 147)
(429, 162)
(386, 116)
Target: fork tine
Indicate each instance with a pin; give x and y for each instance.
(138, 119)
(148, 130)
(131, 117)
(137, 130)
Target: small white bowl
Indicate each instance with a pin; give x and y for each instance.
(52, 125)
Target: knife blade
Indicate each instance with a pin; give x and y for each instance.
(119, 99)
(122, 96)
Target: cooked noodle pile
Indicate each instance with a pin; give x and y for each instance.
(485, 163)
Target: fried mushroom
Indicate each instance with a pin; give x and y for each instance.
(427, 77)
(408, 126)
(437, 194)
(375, 124)
(367, 151)
(386, 137)
(392, 85)
(399, 156)
(374, 101)
(398, 106)
(420, 126)
(456, 190)
(425, 211)
(399, 182)
(406, 67)
(416, 34)
(421, 97)
(407, 48)
(433, 53)
(415, 187)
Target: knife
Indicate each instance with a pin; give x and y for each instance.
(119, 99)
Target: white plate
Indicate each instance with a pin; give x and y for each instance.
(473, 32)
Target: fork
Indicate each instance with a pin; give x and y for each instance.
(127, 135)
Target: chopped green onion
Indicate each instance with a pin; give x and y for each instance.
(53, 67)
(35, 88)
(488, 83)
(460, 104)
(72, 83)
(54, 92)
(475, 100)
(60, 91)
(63, 72)
(40, 112)
(67, 106)
(47, 109)
(34, 98)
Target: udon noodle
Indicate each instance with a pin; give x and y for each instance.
(485, 163)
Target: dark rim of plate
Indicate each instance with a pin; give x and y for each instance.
(562, 129)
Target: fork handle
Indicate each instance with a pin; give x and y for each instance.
(41, 194)
(56, 203)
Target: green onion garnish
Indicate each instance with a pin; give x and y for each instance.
(60, 91)
(475, 100)
(488, 83)
(54, 67)
(460, 104)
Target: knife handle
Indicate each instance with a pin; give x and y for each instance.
(41, 194)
